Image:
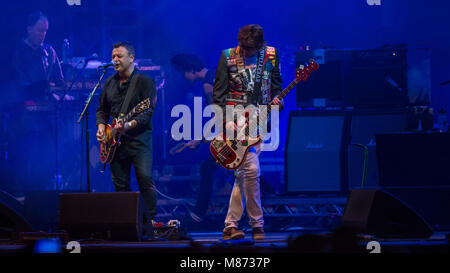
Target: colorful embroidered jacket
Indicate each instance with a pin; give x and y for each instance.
(234, 85)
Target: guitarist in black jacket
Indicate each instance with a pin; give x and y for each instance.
(136, 135)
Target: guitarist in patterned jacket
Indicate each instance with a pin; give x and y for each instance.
(247, 74)
(136, 135)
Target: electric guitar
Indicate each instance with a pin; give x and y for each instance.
(112, 136)
(230, 153)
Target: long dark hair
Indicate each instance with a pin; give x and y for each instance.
(251, 36)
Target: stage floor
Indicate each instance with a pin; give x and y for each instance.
(286, 242)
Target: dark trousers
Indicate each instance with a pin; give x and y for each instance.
(140, 156)
(207, 170)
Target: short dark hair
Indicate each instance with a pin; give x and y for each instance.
(187, 63)
(251, 36)
(34, 17)
(127, 45)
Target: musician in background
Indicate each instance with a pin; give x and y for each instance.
(237, 84)
(37, 66)
(37, 76)
(194, 70)
(136, 140)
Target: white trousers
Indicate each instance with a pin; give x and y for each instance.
(246, 185)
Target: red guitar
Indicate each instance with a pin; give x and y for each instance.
(230, 153)
(112, 137)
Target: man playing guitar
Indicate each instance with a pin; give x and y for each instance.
(136, 134)
(247, 74)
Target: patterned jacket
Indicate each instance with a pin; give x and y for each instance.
(232, 85)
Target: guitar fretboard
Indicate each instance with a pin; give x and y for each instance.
(287, 90)
(143, 106)
(301, 75)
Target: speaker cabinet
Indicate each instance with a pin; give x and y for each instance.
(379, 213)
(373, 78)
(414, 167)
(116, 216)
(315, 152)
(414, 160)
(365, 124)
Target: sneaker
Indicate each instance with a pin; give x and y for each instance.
(258, 233)
(232, 233)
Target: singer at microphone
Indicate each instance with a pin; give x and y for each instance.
(121, 93)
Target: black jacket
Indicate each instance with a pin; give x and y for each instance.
(112, 97)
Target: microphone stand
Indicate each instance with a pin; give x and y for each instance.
(86, 115)
(77, 77)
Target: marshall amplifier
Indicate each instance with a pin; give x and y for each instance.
(315, 154)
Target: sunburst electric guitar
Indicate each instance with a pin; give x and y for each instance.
(231, 152)
(112, 136)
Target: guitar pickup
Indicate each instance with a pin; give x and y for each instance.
(221, 157)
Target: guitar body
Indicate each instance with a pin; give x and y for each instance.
(109, 146)
(108, 149)
(231, 153)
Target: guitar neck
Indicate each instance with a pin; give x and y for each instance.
(287, 90)
(143, 106)
(129, 115)
(263, 114)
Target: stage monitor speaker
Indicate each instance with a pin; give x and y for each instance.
(119, 216)
(382, 215)
(11, 219)
(432, 203)
(314, 155)
(365, 124)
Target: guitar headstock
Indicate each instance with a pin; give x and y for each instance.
(302, 72)
(143, 106)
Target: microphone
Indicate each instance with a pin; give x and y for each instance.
(90, 58)
(105, 65)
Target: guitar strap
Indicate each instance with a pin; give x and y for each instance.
(129, 95)
(260, 60)
(258, 76)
